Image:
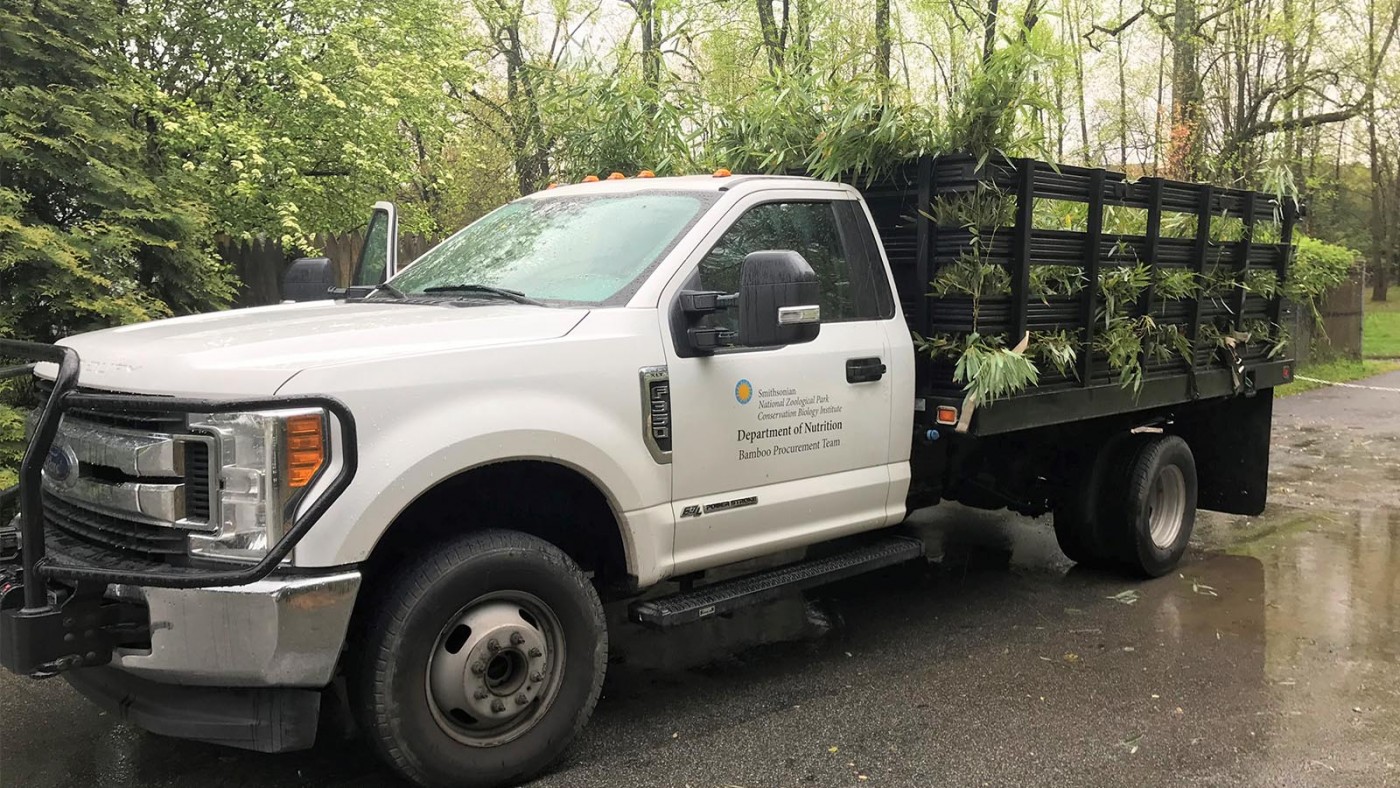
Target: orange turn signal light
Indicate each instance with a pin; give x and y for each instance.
(722, 173)
(306, 448)
(552, 186)
(646, 174)
(617, 176)
(590, 179)
(946, 414)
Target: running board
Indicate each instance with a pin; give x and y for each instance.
(728, 595)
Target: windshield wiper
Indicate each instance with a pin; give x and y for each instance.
(500, 292)
(391, 290)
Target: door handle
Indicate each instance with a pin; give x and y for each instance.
(864, 370)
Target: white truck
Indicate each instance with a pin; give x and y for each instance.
(429, 485)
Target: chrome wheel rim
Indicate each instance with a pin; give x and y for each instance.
(495, 668)
(1166, 506)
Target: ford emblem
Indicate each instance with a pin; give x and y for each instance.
(61, 466)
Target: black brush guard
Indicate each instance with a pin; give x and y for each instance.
(53, 614)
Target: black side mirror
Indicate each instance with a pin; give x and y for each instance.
(310, 279)
(779, 300)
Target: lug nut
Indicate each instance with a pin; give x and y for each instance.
(480, 694)
(478, 668)
(537, 677)
(535, 652)
(498, 705)
(521, 700)
(493, 645)
(516, 638)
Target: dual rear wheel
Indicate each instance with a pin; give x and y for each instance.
(1134, 509)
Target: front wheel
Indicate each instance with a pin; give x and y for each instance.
(483, 662)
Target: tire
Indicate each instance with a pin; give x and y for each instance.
(1074, 528)
(1078, 524)
(1151, 514)
(444, 704)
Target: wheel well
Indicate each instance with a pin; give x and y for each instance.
(545, 499)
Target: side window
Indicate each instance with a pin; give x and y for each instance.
(853, 286)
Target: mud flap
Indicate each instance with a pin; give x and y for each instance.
(1230, 441)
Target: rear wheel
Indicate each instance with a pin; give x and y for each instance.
(482, 664)
(1153, 513)
(1079, 527)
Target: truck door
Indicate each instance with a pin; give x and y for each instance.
(784, 446)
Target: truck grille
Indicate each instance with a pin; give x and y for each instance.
(130, 420)
(134, 482)
(197, 503)
(104, 530)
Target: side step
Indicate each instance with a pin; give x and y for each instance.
(690, 606)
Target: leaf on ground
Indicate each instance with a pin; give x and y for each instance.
(1202, 589)
(1129, 597)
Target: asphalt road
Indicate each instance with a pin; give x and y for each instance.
(1269, 659)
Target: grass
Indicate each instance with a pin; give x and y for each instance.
(1382, 327)
(1342, 370)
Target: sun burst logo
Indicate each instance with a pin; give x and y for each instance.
(743, 391)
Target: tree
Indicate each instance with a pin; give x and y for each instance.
(95, 225)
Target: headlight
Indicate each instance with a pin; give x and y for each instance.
(267, 462)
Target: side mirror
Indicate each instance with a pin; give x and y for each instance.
(779, 300)
(310, 279)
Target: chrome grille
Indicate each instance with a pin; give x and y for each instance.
(138, 482)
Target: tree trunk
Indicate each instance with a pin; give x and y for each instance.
(1184, 146)
(882, 47)
(1377, 252)
(989, 31)
(651, 45)
(772, 44)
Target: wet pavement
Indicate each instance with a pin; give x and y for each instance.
(1271, 658)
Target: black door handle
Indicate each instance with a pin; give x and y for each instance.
(864, 370)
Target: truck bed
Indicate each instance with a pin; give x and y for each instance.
(918, 248)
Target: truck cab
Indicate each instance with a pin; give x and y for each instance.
(638, 378)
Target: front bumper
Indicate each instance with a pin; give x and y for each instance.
(276, 632)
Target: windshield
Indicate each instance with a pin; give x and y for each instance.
(589, 249)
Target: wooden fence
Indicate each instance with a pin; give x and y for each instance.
(260, 262)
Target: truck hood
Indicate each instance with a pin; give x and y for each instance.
(252, 352)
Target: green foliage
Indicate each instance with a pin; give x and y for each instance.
(1174, 284)
(982, 211)
(1120, 287)
(1047, 281)
(992, 114)
(1261, 282)
(287, 119)
(11, 443)
(830, 128)
(95, 229)
(990, 371)
(1317, 268)
(614, 123)
(970, 276)
(1058, 349)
